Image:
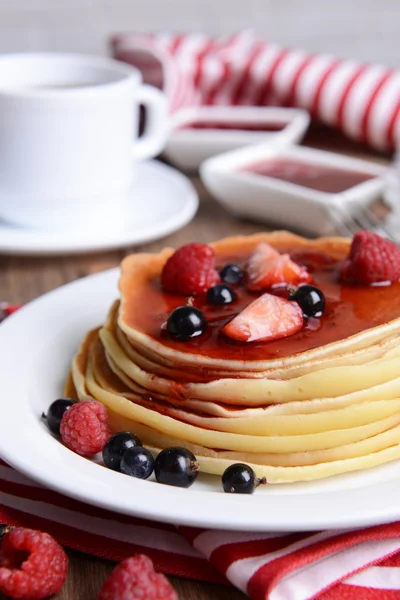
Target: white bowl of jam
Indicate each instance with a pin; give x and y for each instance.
(294, 187)
(199, 133)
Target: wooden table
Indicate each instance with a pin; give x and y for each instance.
(22, 279)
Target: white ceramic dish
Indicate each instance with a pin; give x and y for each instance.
(188, 148)
(280, 202)
(392, 192)
(162, 201)
(36, 346)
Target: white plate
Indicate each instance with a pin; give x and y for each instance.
(163, 200)
(36, 346)
(188, 148)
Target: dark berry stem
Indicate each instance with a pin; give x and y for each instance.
(194, 466)
(6, 529)
(260, 481)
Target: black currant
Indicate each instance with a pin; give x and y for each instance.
(231, 274)
(55, 413)
(186, 322)
(176, 466)
(137, 462)
(310, 299)
(221, 294)
(116, 446)
(240, 479)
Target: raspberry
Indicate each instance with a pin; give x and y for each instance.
(372, 259)
(190, 270)
(135, 579)
(32, 564)
(84, 427)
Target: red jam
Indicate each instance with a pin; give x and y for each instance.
(349, 309)
(314, 176)
(236, 126)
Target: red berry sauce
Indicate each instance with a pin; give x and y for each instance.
(324, 178)
(350, 309)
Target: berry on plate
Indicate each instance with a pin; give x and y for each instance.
(186, 322)
(84, 427)
(32, 564)
(240, 479)
(231, 274)
(267, 267)
(372, 259)
(268, 317)
(137, 462)
(55, 413)
(221, 294)
(310, 299)
(190, 270)
(176, 466)
(135, 579)
(116, 446)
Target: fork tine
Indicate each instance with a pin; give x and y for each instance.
(362, 220)
(366, 219)
(350, 221)
(340, 226)
(343, 222)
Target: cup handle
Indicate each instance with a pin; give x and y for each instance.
(156, 131)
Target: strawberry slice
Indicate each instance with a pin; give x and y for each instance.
(267, 267)
(267, 318)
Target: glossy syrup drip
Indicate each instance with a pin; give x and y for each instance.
(320, 177)
(349, 310)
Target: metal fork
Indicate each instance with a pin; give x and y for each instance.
(356, 217)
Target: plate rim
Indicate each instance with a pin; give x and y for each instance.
(260, 512)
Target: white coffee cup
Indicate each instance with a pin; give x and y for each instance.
(69, 138)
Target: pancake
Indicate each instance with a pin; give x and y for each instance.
(359, 315)
(323, 401)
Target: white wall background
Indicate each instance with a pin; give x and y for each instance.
(365, 29)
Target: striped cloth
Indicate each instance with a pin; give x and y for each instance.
(361, 100)
(361, 564)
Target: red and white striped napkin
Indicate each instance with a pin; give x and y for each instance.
(361, 564)
(361, 100)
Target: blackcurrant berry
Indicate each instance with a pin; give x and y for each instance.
(240, 479)
(137, 462)
(176, 466)
(221, 294)
(116, 446)
(231, 274)
(186, 322)
(55, 413)
(310, 299)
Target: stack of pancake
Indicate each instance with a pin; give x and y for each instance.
(321, 402)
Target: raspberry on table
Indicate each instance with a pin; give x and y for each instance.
(135, 579)
(32, 564)
(372, 259)
(84, 427)
(190, 270)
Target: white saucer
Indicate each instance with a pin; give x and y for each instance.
(163, 200)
